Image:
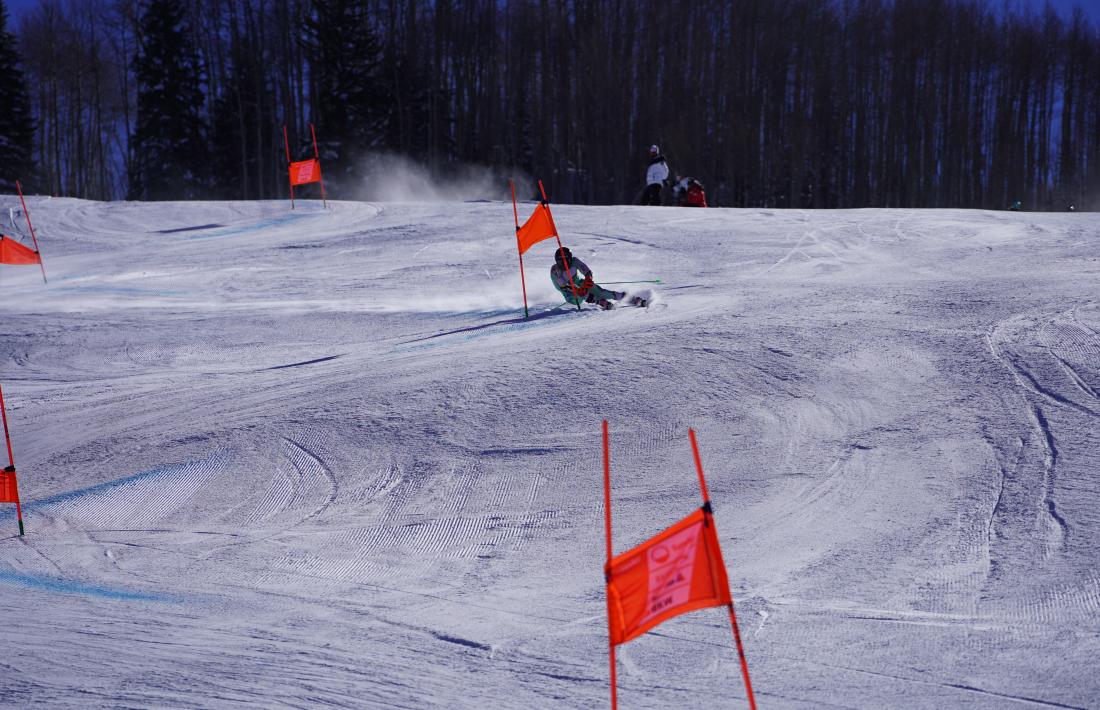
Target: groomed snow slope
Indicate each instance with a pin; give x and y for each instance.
(317, 458)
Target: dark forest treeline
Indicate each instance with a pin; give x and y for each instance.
(785, 103)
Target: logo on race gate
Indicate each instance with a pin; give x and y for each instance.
(305, 172)
(671, 567)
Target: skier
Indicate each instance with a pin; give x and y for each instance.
(566, 276)
(655, 176)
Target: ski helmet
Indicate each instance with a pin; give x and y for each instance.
(562, 255)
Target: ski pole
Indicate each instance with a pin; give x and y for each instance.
(615, 283)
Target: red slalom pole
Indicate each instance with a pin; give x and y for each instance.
(699, 466)
(522, 278)
(19, 511)
(10, 468)
(733, 615)
(568, 270)
(27, 214)
(741, 654)
(7, 437)
(289, 177)
(317, 157)
(607, 567)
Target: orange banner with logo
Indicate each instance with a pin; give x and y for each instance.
(676, 571)
(539, 226)
(12, 252)
(9, 491)
(305, 171)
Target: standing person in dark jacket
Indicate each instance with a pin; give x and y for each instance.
(655, 176)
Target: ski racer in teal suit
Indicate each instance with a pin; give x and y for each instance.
(581, 289)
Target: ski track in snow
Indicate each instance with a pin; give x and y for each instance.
(319, 458)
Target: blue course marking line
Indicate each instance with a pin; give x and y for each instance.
(485, 330)
(263, 224)
(99, 488)
(169, 470)
(67, 586)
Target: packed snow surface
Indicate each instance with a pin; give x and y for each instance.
(312, 458)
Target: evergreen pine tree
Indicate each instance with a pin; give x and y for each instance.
(170, 150)
(408, 117)
(247, 147)
(16, 127)
(348, 95)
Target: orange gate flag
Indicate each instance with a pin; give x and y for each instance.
(9, 491)
(678, 570)
(539, 226)
(12, 252)
(305, 171)
(674, 572)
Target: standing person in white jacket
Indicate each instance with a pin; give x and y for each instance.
(655, 176)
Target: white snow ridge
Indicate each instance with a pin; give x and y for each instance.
(319, 458)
